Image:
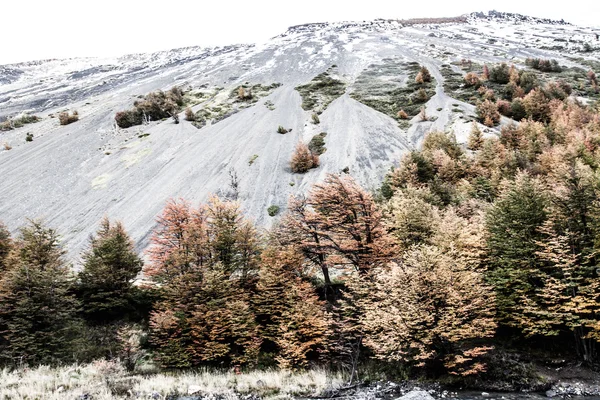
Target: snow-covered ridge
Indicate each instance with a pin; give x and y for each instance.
(499, 16)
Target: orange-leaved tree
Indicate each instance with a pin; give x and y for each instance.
(339, 224)
(206, 261)
(294, 322)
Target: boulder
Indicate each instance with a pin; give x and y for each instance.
(416, 395)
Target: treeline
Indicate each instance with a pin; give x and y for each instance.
(463, 249)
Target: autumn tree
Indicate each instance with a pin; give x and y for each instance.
(303, 160)
(294, 323)
(106, 281)
(430, 310)
(567, 295)
(204, 319)
(187, 238)
(487, 113)
(37, 309)
(206, 260)
(475, 140)
(536, 105)
(339, 224)
(410, 218)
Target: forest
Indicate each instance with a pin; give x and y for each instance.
(466, 255)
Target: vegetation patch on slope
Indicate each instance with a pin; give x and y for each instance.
(219, 104)
(517, 93)
(18, 122)
(152, 107)
(394, 88)
(321, 91)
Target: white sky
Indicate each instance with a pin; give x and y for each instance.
(40, 29)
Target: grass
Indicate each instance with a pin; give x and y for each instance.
(390, 87)
(317, 144)
(108, 380)
(321, 91)
(219, 105)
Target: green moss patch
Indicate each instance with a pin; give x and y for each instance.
(321, 91)
(390, 87)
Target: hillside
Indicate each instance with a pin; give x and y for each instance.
(73, 175)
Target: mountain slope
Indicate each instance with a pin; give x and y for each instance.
(73, 175)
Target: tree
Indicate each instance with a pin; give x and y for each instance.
(411, 219)
(294, 323)
(5, 247)
(206, 261)
(205, 318)
(430, 310)
(37, 310)
(536, 105)
(106, 281)
(513, 225)
(300, 227)
(567, 295)
(475, 140)
(339, 224)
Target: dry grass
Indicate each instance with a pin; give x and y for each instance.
(108, 380)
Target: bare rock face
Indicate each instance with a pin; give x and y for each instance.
(71, 176)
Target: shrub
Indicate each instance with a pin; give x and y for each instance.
(475, 140)
(558, 90)
(303, 160)
(517, 110)
(315, 119)
(420, 96)
(154, 106)
(543, 65)
(29, 137)
(23, 119)
(64, 118)
(503, 107)
(471, 79)
(189, 114)
(536, 105)
(244, 93)
(486, 73)
(500, 74)
(423, 75)
(126, 119)
(281, 130)
(402, 114)
(528, 81)
(273, 210)
(487, 112)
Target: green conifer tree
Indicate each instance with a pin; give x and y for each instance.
(37, 311)
(106, 282)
